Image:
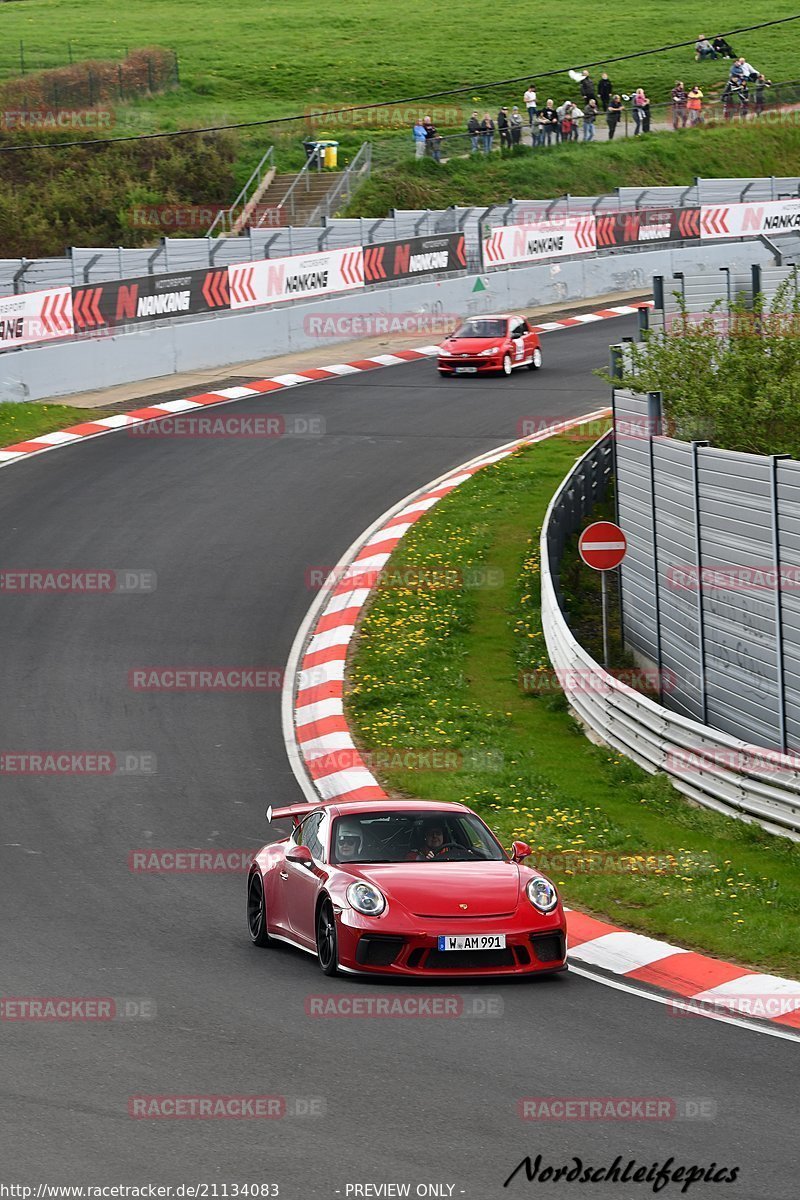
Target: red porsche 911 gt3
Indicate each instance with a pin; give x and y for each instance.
(404, 887)
(494, 343)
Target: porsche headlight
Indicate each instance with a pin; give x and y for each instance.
(542, 894)
(491, 350)
(366, 899)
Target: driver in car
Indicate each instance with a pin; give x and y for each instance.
(431, 843)
(349, 841)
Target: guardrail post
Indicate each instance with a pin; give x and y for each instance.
(774, 459)
(701, 640)
(19, 281)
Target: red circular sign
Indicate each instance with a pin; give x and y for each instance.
(602, 545)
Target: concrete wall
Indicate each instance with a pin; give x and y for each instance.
(61, 369)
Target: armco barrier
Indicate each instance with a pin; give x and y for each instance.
(156, 349)
(717, 771)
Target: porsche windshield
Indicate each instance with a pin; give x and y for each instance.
(412, 837)
(492, 327)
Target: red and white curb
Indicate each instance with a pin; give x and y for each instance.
(103, 425)
(327, 765)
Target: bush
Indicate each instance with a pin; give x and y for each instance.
(152, 69)
(731, 376)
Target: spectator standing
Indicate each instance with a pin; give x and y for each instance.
(487, 133)
(605, 90)
(419, 140)
(589, 118)
(474, 131)
(703, 48)
(433, 140)
(641, 112)
(529, 100)
(503, 127)
(515, 126)
(694, 105)
(679, 97)
(548, 123)
(613, 114)
(587, 88)
(575, 115)
(566, 122)
(758, 93)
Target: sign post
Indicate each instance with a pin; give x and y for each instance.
(602, 547)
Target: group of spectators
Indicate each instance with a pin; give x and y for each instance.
(549, 124)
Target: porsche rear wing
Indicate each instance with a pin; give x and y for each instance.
(295, 811)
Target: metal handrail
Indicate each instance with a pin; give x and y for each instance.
(227, 217)
(314, 161)
(361, 166)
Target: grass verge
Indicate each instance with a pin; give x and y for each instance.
(19, 422)
(439, 667)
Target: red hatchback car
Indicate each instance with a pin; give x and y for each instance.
(497, 343)
(404, 887)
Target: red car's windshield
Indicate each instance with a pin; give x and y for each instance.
(412, 837)
(482, 327)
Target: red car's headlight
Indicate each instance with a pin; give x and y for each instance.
(366, 899)
(542, 894)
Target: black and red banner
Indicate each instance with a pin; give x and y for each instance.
(149, 298)
(430, 255)
(648, 226)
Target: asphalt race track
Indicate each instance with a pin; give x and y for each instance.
(232, 527)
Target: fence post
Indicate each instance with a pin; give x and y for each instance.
(701, 648)
(177, 77)
(780, 680)
(69, 51)
(91, 88)
(654, 419)
(21, 56)
(149, 74)
(119, 81)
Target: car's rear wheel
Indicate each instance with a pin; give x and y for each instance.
(327, 942)
(536, 360)
(257, 911)
(507, 365)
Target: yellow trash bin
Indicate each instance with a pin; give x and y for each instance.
(331, 154)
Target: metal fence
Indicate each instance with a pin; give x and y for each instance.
(83, 265)
(715, 769)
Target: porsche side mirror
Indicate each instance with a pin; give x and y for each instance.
(300, 855)
(519, 850)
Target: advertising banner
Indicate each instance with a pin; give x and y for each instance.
(747, 220)
(274, 279)
(149, 298)
(414, 256)
(35, 317)
(541, 239)
(647, 226)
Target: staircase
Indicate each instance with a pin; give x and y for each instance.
(297, 196)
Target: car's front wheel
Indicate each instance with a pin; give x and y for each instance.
(507, 364)
(536, 360)
(327, 943)
(257, 911)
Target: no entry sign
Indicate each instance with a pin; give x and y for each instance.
(602, 545)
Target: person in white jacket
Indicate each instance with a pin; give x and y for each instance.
(529, 100)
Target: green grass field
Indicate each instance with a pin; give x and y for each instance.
(277, 58)
(440, 667)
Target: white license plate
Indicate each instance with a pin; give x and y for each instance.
(473, 941)
(466, 370)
